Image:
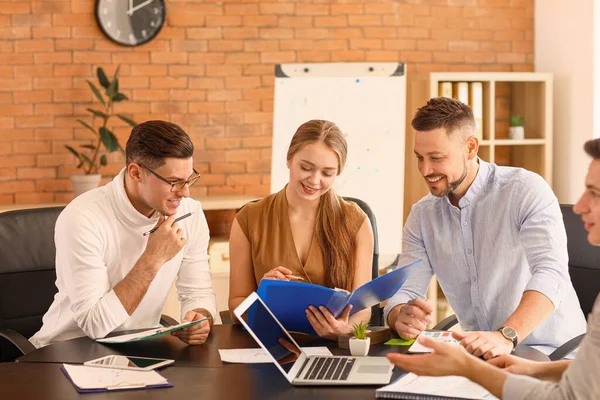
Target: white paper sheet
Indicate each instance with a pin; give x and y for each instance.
(259, 356)
(445, 337)
(85, 377)
(443, 386)
(132, 337)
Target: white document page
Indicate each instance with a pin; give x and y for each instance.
(259, 356)
(85, 377)
(444, 386)
(445, 337)
(132, 337)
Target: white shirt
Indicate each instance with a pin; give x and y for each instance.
(99, 238)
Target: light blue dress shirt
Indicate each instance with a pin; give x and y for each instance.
(506, 238)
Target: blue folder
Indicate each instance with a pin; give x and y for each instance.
(289, 300)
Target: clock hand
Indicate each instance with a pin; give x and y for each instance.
(134, 9)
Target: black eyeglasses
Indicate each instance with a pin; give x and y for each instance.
(179, 185)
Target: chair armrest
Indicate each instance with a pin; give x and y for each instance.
(566, 348)
(165, 320)
(226, 317)
(17, 340)
(446, 323)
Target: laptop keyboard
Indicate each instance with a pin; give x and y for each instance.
(330, 368)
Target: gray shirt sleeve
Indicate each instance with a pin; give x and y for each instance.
(579, 381)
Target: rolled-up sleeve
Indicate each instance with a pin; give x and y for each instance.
(96, 308)
(543, 237)
(194, 280)
(413, 248)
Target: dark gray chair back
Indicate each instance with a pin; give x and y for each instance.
(584, 260)
(27, 268)
(376, 317)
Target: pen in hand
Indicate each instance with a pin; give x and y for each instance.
(296, 277)
(176, 219)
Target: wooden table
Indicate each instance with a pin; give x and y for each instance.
(197, 372)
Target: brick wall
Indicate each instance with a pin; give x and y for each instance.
(211, 71)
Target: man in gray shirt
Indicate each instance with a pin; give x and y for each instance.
(519, 378)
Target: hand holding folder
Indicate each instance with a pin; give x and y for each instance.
(289, 300)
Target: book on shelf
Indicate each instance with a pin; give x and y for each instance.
(411, 386)
(476, 104)
(460, 91)
(445, 89)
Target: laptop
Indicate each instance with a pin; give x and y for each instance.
(300, 369)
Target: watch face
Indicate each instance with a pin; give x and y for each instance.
(509, 332)
(130, 22)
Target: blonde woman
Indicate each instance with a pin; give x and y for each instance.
(306, 230)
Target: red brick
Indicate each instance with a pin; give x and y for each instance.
(73, 44)
(276, 33)
(169, 58)
(63, 57)
(36, 173)
(17, 161)
(34, 198)
(227, 168)
(225, 190)
(168, 82)
(16, 110)
(34, 122)
(225, 45)
(34, 96)
(206, 83)
(16, 186)
(364, 20)
(53, 83)
(71, 95)
(189, 46)
(204, 33)
(15, 8)
(213, 143)
(243, 180)
(259, 166)
(277, 8)
(241, 9)
(53, 185)
(276, 57)
(53, 134)
(228, 20)
(337, 9)
(223, 70)
(51, 32)
(170, 107)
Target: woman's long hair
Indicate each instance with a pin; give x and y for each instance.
(333, 232)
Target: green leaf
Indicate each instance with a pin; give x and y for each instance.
(109, 140)
(97, 113)
(74, 152)
(113, 88)
(86, 159)
(87, 126)
(128, 120)
(119, 97)
(117, 71)
(96, 92)
(103, 160)
(102, 77)
(88, 146)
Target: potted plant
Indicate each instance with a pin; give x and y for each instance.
(516, 130)
(360, 342)
(93, 155)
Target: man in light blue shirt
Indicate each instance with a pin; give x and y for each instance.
(493, 236)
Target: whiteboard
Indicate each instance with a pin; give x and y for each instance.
(368, 102)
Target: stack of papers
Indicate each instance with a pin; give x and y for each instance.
(445, 337)
(259, 356)
(95, 379)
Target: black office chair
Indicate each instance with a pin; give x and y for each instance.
(376, 310)
(584, 269)
(27, 277)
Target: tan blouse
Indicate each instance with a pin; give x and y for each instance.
(266, 225)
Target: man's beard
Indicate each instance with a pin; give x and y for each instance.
(452, 185)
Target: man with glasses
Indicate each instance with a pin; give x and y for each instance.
(112, 277)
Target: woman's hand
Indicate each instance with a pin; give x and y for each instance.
(324, 323)
(516, 365)
(446, 359)
(279, 273)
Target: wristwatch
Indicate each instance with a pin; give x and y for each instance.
(510, 334)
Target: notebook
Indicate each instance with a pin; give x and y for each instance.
(150, 333)
(94, 379)
(411, 386)
(289, 300)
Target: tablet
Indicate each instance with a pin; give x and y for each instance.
(129, 362)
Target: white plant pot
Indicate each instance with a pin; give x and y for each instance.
(83, 183)
(516, 132)
(359, 347)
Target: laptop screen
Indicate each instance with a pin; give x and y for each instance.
(273, 337)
